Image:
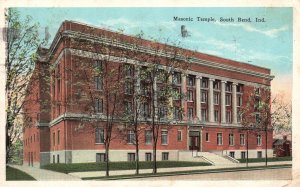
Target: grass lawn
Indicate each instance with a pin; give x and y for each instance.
(82, 167)
(13, 174)
(275, 159)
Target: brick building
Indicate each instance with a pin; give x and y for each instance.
(67, 97)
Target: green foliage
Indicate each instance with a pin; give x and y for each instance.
(83, 167)
(22, 42)
(17, 152)
(13, 174)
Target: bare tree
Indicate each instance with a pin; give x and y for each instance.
(97, 80)
(159, 73)
(257, 115)
(22, 42)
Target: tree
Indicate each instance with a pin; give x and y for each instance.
(257, 115)
(101, 82)
(159, 73)
(282, 115)
(22, 42)
(135, 110)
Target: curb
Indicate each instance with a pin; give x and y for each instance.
(192, 172)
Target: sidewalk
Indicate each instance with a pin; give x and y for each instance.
(45, 175)
(160, 170)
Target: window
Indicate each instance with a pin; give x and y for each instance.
(99, 135)
(58, 137)
(130, 137)
(239, 88)
(148, 137)
(203, 96)
(58, 81)
(190, 81)
(131, 157)
(162, 111)
(98, 83)
(30, 139)
(257, 104)
(144, 89)
(216, 98)
(128, 87)
(228, 87)
(242, 139)
(190, 113)
(162, 76)
(145, 110)
(100, 157)
(204, 114)
(148, 156)
(231, 139)
(257, 118)
(165, 156)
(219, 139)
(258, 139)
(99, 105)
(243, 155)
(190, 95)
(177, 113)
(98, 65)
(176, 78)
(228, 116)
(216, 85)
(128, 70)
(207, 137)
(204, 83)
(231, 153)
(58, 159)
(239, 100)
(259, 154)
(53, 159)
(179, 136)
(216, 115)
(164, 137)
(33, 137)
(177, 94)
(228, 99)
(128, 107)
(239, 117)
(53, 138)
(257, 91)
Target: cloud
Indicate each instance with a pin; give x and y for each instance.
(272, 33)
(119, 23)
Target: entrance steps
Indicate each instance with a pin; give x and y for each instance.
(212, 158)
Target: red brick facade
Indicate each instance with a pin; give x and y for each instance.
(59, 132)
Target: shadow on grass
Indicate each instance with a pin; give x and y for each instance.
(13, 174)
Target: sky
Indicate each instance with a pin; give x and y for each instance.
(267, 44)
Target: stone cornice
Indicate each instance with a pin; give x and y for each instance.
(151, 51)
(102, 117)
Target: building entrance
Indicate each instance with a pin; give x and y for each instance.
(194, 140)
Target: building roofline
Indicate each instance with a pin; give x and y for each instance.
(109, 30)
(208, 57)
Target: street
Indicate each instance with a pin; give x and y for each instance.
(269, 174)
